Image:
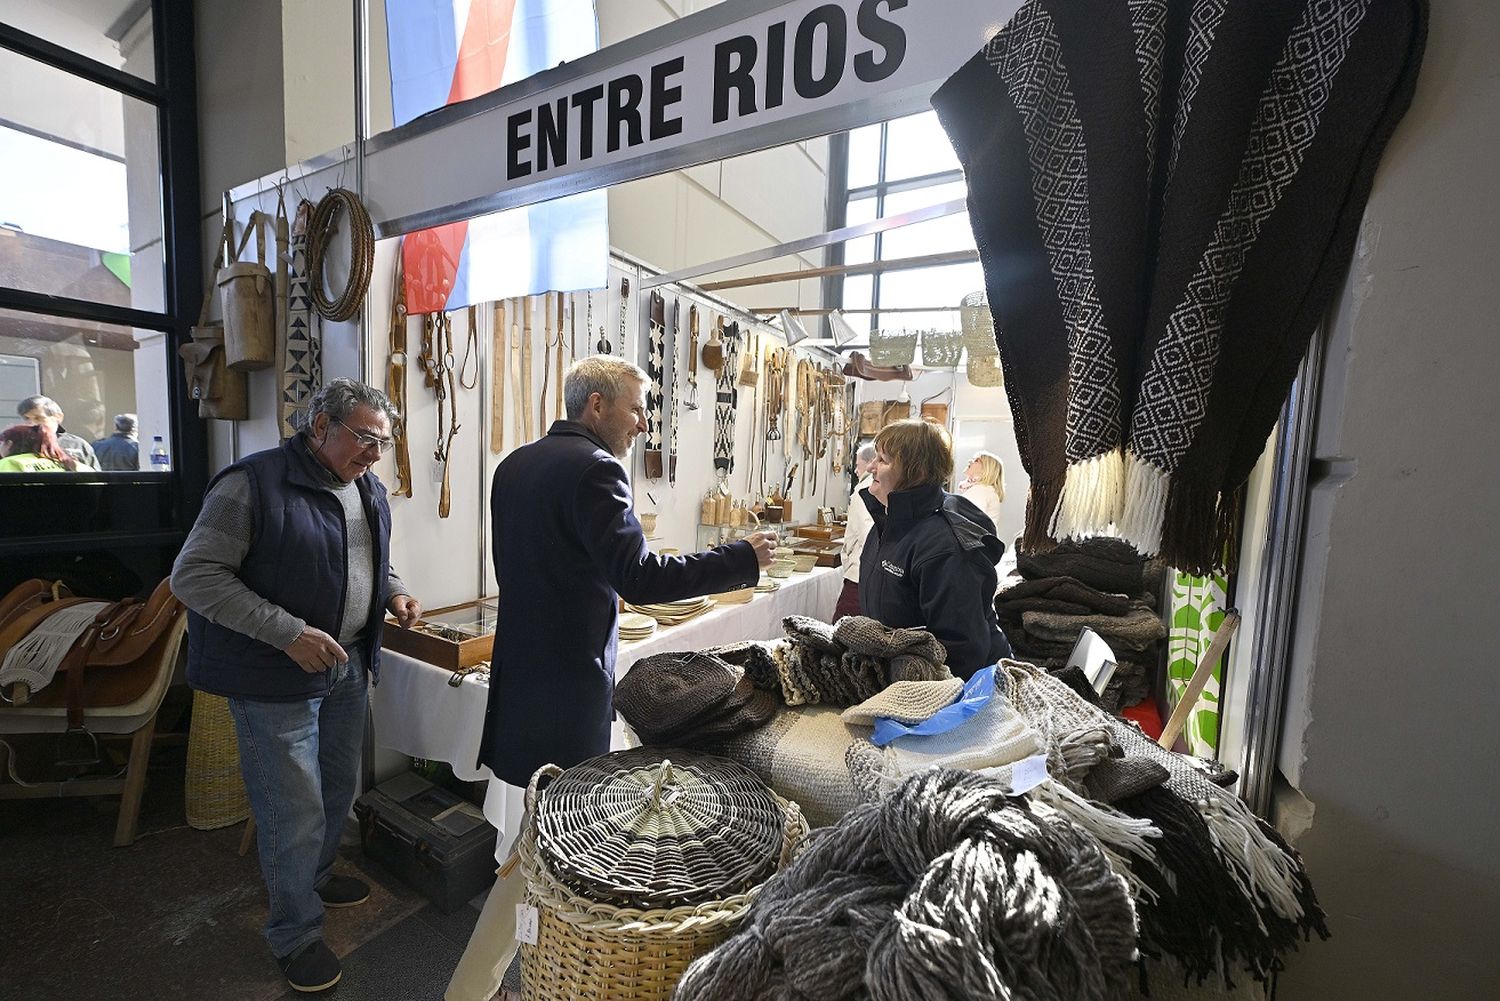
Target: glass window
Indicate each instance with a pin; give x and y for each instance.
(919, 287)
(80, 209)
(936, 236)
(116, 33)
(916, 146)
(864, 156)
(95, 372)
(857, 291)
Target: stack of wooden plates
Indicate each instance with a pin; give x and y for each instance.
(635, 626)
(737, 597)
(767, 585)
(671, 613)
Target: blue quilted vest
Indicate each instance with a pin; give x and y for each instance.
(296, 560)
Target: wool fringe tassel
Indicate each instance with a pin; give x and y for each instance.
(1265, 873)
(1091, 498)
(1124, 834)
(1145, 505)
(35, 658)
(1196, 529)
(1040, 503)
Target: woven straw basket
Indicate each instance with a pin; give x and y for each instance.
(215, 792)
(893, 347)
(587, 947)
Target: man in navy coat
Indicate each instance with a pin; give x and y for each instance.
(567, 546)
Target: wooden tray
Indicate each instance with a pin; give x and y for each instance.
(478, 616)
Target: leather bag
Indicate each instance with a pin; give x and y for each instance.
(860, 367)
(246, 297)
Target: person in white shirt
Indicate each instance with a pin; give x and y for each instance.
(855, 533)
(984, 484)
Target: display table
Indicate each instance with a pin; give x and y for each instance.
(416, 711)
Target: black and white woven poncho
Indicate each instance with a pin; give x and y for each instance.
(1165, 194)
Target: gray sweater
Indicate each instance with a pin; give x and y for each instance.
(206, 574)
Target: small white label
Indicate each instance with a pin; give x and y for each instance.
(1027, 774)
(526, 922)
(437, 472)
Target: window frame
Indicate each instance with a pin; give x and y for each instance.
(98, 500)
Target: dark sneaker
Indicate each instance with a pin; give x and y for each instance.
(312, 968)
(344, 891)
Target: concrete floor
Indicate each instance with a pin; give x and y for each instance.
(178, 914)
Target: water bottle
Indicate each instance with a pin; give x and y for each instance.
(161, 462)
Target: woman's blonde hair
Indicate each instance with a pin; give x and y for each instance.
(921, 452)
(991, 471)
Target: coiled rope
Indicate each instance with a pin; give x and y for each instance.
(321, 229)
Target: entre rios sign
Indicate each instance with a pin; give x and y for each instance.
(736, 77)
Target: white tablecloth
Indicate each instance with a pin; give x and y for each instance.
(416, 711)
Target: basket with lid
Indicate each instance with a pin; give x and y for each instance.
(640, 861)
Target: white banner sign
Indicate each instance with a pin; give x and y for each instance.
(718, 83)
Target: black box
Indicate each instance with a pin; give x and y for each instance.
(436, 842)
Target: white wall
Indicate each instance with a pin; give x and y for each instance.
(1392, 716)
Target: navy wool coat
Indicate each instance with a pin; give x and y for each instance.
(567, 545)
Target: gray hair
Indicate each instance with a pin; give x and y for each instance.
(339, 397)
(600, 374)
(126, 423)
(46, 404)
(866, 452)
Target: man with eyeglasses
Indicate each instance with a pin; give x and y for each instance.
(286, 575)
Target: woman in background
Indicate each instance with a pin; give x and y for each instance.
(930, 560)
(32, 448)
(984, 484)
(855, 533)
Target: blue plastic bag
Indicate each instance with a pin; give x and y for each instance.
(977, 692)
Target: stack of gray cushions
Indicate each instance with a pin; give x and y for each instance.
(1100, 584)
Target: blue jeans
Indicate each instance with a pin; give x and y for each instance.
(301, 762)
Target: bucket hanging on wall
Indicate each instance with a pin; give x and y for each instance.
(245, 289)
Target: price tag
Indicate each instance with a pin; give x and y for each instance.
(526, 923)
(1027, 774)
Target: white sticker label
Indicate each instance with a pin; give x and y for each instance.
(1027, 774)
(526, 922)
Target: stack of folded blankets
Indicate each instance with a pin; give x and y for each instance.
(1100, 584)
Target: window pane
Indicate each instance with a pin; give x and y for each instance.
(862, 250)
(928, 287)
(935, 236)
(80, 209)
(857, 296)
(917, 145)
(864, 156)
(94, 372)
(116, 33)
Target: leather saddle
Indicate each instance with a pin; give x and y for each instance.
(860, 367)
(112, 662)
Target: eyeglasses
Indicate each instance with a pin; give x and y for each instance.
(368, 440)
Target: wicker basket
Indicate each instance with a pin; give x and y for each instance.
(942, 348)
(587, 948)
(984, 372)
(215, 793)
(978, 326)
(893, 347)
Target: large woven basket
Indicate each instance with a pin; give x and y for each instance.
(595, 949)
(215, 792)
(978, 326)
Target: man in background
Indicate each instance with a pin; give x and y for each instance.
(121, 450)
(44, 410)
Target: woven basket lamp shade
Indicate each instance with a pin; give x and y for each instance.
(656, 827)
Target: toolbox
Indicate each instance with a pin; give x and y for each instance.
(436, 842)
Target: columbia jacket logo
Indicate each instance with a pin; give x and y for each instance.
(892, 569)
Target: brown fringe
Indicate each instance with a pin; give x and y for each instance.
(1197, 527)
(1228, 526)
(1041, 501)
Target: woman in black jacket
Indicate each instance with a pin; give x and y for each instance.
(930, 560)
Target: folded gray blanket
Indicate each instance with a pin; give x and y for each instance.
(1135, 630)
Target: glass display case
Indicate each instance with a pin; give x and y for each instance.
(451, 637)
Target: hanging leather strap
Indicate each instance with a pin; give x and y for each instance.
(395, 380)
(498, 378)
(527, 390)
(546, 357)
